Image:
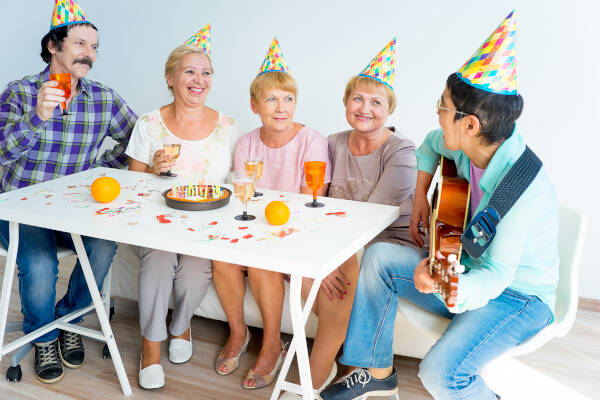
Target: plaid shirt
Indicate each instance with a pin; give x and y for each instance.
(32, 150)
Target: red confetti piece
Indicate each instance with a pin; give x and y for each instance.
(24, 198)
(224, 238)
(141, 194)
(99, 212)
(72, 186)
(242, 227)
(248, 236)
(191, 229)
(213, 223)
(281, 195)
(161, 218)
(212, 237)
(337, 213)
(235, 240)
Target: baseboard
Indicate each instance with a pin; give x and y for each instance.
(589, 304)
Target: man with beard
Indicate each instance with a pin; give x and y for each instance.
(38, 143)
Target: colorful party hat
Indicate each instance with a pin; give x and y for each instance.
(201, 40)
(274, 60)
(66, 12)
(381, 67)
(493, 67)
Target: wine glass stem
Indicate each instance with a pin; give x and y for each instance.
(245, 215)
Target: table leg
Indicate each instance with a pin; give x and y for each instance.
(101, 312)
(299, 317)
(9, 273)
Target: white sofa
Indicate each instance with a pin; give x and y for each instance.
(125, 271)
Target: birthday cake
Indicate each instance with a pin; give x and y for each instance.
(197, 197)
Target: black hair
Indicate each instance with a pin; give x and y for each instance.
(497, 113)
(58, 35)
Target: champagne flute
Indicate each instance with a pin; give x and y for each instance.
(64, 84)
(314, 172)
(243, 188)
(254, 166)
(171, 149)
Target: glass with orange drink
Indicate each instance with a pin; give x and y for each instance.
(314, 173)
(64, 84)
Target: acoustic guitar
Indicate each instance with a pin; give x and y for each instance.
(449, 211)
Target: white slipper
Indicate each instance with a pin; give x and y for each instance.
(151, 377)
(294, 396)
(180, 350)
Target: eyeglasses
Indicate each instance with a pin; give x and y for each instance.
(439, 106)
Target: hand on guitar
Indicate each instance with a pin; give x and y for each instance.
(423, 281)
(419, 219)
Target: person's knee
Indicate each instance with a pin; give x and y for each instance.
(159, 265)
(436, 376)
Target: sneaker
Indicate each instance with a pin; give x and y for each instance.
(359, 385)
(47, 365)
(70, 348)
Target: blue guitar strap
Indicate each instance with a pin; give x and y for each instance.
(480, 232)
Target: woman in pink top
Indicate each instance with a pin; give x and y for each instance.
(284, 146)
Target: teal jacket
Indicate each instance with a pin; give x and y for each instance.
(524, 254)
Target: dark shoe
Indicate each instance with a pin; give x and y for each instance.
(360, 384)
(71, 349)
(47, 365)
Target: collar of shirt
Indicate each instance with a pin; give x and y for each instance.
(82, 87)
(506, 155)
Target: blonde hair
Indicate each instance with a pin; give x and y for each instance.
(371, 83)
(177, 54)
(272, 80)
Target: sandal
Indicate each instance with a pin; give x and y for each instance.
(231, 364)
(262, 381)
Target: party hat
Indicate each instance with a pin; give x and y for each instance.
(201, 40)
(493, 67)
(381, 67)
(66, 12)
(274, 60)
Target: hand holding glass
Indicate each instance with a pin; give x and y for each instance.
(254, 167)
(64, 84)
(314, 172)
(172, 151)
(243, 188)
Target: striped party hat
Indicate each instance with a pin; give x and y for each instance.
(493, 67)
(381, 68)
(201, 40)
(274, 60)
(66, 12)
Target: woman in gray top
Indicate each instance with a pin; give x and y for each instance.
(369, 163)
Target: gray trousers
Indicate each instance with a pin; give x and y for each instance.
(164, 273)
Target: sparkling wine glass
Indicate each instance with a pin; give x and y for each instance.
(314, 172)
(243, 188)
(255, 167)
(171, 149)
(64, 84)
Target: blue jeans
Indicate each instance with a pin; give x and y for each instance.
(38, 270)
(450, 370)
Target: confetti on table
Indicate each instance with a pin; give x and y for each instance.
(163, 219)
(235, 240)
(337, 213)
(224, 238)
(285, 232)
(24, 198)
(191, 229)
(132, 223)
(212, 223)
(71, 186)
(48, 203)
(48, 196)
(248, 236)
(242, 227)
(128, 207)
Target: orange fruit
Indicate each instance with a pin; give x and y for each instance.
(277, 212)
(105, 189)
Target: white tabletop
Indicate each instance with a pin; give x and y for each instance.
(312, 243)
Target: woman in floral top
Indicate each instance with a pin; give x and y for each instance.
(206, 138)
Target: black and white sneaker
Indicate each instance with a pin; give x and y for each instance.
(47, 365)
(71, 349)
(359, 385)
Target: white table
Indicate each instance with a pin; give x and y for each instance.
(312, 244)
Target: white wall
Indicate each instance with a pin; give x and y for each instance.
(326, 42)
